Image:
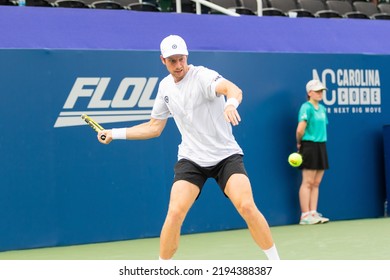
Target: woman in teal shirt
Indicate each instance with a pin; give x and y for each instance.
(311, 143)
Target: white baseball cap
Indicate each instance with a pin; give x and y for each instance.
(314, 85)
(173, 44)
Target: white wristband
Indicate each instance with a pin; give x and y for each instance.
(118, 133)
(232, 101)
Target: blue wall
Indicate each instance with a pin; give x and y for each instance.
(60, 186)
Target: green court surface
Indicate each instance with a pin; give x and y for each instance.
(365, 239)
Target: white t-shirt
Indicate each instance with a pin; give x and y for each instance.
(207, 137)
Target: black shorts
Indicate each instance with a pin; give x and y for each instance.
(315, 155)
(197, 175)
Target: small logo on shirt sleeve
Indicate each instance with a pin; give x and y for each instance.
(217, 78)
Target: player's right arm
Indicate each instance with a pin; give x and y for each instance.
(300, 132)
(151, 129)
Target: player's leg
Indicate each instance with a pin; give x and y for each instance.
(305, 189)
(314, 196)
(308, 195)
(315, 186)
(183, 195)
(239, 191)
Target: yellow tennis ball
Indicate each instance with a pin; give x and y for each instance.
(295, 159)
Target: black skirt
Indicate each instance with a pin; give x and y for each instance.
(315, 155)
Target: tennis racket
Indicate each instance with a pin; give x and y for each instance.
(95, 126)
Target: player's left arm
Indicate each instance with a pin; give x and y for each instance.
(233, 98)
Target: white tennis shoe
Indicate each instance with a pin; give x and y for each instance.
(322, 219)
(310, 219)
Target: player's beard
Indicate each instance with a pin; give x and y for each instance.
(179, 74)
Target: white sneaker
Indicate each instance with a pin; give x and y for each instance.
(310, 219)
(322, 219)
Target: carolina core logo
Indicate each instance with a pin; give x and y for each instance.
(131, 101)
(351, 91)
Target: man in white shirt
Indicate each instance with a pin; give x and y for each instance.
(195, 97)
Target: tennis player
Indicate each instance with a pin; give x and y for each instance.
(195, 97)
(311, 137)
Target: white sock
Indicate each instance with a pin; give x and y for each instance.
(305, 214)
(272, 253)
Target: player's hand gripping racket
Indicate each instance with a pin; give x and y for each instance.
(95, 126)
